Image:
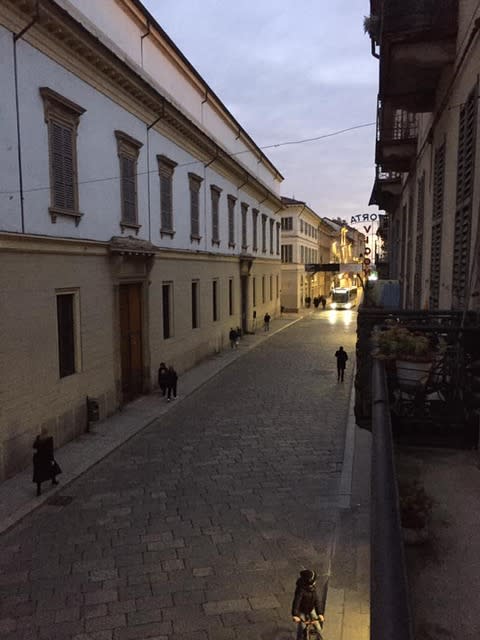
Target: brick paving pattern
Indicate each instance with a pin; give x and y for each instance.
(197, 527)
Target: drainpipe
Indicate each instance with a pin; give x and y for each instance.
(149, 208)
(147, 33)
(16, 37)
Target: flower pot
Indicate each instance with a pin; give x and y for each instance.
(412, 375)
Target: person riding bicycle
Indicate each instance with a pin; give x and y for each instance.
(306, 603)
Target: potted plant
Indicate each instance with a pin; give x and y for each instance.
(412, 352)
(415, 512)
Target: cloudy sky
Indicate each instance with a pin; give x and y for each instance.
(291, 70)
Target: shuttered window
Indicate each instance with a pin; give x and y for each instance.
(264, 233)
(194, 182)
(272, 234)
(231, 220)
(166, 168)
(255, 229)
(62, 117)
(418, 277)
(244, 226)
(463, 213)
(215, 199)
(128, 150)
(437, 225)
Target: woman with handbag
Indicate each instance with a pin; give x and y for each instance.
(45, 467)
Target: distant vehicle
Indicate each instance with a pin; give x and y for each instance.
(344, 298)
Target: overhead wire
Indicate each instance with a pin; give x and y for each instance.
(191, 162)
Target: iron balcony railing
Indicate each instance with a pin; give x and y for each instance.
(395, 125)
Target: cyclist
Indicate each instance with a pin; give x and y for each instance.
(306, 603)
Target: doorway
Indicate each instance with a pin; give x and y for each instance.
(131, 343)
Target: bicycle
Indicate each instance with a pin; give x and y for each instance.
(309, 631)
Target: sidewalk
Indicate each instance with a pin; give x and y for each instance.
(17, 494)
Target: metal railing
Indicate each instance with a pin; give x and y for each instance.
(390, 612)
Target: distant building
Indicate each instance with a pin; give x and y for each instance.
(138, 219)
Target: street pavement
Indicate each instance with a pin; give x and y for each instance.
(192, 519)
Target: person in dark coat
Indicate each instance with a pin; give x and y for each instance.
(44, 465)
(342, 358)
(233, 337)
(162, 377)
(172, 378)
(307, 604)
(266, 322)
(323, 301)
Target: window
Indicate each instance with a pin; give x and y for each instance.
(254, 292)
(230, 297)
(277, 288)
(418, 277)
(278, 239)
(437, 219)
(244, 226)
(166, 167)
(62, 117)
(215, 197)
(167, 309)
(271, 287)
(287, 224)
(215, 300)
(263, 289)
(67, 327)
(467, 129)
(264, 233)
(301, 226)
(272, 227)
(231, 220)
(302, 254)
(287, 253)
(255, 229)
(128, 150)
(195, 183)
(195, 323)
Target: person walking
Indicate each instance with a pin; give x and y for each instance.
(233, 337)
(45, 467)
(172, 379)
(342, 358)
(323, 300)
(162, 378)
(266, 322)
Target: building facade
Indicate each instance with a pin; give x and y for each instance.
(138, 220)
(427, 150)
(306, 239)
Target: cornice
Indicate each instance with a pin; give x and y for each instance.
(59, 36)
(26, 243)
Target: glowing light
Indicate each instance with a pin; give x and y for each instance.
(333, 305)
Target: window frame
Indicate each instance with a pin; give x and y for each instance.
(264, 233)
(128, 148)
(244, 213)
(75, 333)
(255, 213)
(65, 113)
(168, 329)
(166, 170)
(195, 298)
(215, 193)
(195, 184)
(231, 201)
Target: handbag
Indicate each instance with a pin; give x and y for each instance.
(56, 469)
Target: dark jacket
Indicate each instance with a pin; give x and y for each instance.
(162, 377)
(43, 459)
(306, 600)
(342, 358)
(172, 378)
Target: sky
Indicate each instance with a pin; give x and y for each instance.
(291, 70)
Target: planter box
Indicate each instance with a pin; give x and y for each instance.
(412, 375)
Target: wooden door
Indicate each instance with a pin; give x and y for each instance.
(131, 340)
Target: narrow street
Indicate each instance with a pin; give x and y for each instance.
(198, 526)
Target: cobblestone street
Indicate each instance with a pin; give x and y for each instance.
(197, 527)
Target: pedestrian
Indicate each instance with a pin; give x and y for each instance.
(342, 358)
(233, 338)
(45, 467)
(162, 378)
(172, 378)
(266, 322)
(306, 603)
(323, 300)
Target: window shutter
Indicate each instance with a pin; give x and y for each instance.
(166, 201)
(463, 214)
(194, 213)
(61, 141)
(129, 196)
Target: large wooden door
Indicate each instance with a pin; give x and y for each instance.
(131, 340)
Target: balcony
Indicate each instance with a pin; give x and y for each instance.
(417, 40)
(386, 189)
(396, 138)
